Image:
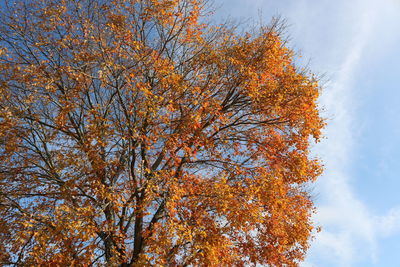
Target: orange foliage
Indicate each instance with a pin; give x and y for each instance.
(132, 134)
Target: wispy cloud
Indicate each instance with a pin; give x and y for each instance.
(350, 230)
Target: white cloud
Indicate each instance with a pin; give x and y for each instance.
(350, 230)
(389, 224)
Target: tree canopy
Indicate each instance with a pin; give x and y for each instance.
(136, 133)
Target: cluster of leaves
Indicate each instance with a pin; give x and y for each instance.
(132, 134)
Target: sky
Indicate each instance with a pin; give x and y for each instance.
(354, 46)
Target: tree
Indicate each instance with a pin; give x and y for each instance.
(133, 133)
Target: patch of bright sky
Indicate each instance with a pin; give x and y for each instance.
(355, 43)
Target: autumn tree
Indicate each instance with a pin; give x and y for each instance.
(132, 133)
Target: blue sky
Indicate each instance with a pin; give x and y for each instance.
(355, 44)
